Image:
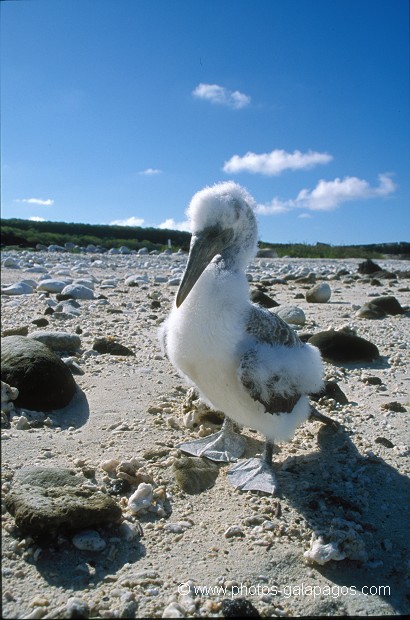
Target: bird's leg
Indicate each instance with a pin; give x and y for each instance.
(224, 446)
(316, 415)
(268, 453)
(255, 474)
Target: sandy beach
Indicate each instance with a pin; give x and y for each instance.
(347, 488)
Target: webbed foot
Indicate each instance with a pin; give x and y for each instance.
(253, 475)
(224, 446)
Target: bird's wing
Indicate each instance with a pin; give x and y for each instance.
(269, 368)
(267, 327)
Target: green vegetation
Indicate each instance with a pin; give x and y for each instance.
(27, 234)
(18, 234)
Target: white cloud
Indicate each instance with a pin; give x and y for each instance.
(329, 195)
(37, 201)
(36, 218)
(221, 95)
(171, 224)
(275, 162)
(150, 171)
(131, 221)
(274, 207)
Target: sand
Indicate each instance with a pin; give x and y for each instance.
(348, 489)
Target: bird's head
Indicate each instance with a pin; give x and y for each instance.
(223, 224)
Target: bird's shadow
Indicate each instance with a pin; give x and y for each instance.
(337, 482)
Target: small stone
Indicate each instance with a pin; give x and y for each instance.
(320, 293)
(394, 406)
(52, 286)
(332, 390)
(239, 608)
(370, 380)
(384, 442)
(234, 531)
(368, 267)
(16, 331)
(20, 288)
(321, 553)
(173, 610)
(89, 540)
(111, 346)
(141, 500)
(40, 322)
(260, 298)
(194, 475)
(22, 423)
(291, 314)
(77, 608)
(78, 291)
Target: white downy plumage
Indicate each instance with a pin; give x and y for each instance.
(244, 360)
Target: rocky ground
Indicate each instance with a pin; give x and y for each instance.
(333, 542)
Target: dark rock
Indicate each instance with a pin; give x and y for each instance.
(380, 307)
(46, 500)
(111, 346)
(63, 297)
(239, 608)
(258, 297)
(194, 475)
(155, 304)
(368, 267)
(394, 406)
(118, 486)
(41, 322)
(16, 331)
(43, 380)
(304, 336)
(331, 390)
(389, 304)
(372, 380)
(384, 442)
(370, 311)
(340, 347)
(309, 279)
(49, 310)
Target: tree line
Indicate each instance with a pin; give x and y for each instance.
(19, 233)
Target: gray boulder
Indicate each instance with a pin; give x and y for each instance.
(49, 500)
(58, 341)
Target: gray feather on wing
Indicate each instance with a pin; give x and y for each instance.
(267, 328)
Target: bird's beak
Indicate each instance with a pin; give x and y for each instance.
(204, 247)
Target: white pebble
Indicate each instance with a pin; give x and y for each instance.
(89, 540)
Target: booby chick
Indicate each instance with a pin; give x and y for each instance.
(243, 360)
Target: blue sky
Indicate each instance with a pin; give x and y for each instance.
(120, 110)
